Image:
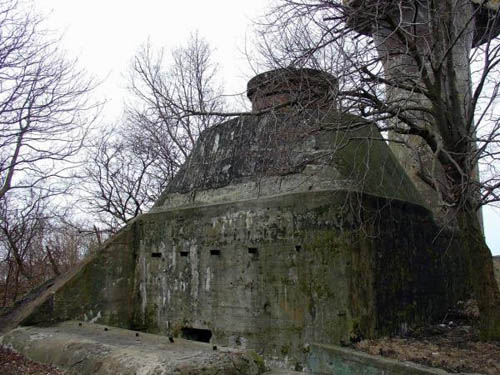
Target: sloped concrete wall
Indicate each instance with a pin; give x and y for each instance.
(101, 291)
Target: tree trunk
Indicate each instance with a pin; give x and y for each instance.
(485, 288)
(7, 284)
(16, 286)
(52, 261)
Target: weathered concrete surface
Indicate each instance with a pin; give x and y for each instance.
(279, 231)
(30, 304)
(290, 88)
(99, 290)
(496, 265)
(85, 348)
(287, 153)
(271, 274)
(328, 359)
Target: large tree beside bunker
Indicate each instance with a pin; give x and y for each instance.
(426, 72)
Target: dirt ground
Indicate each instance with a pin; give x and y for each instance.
(452, 345)
(455, 349)
(12, 363)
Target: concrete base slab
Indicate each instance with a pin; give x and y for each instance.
(85, 348)
(334, 360)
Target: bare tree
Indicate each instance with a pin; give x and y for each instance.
(45, 116)
(36, 244)
(131, 164)
(123, 179)
(166, 94)
(45, 110)
(407, 66)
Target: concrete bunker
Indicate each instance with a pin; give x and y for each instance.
(300, 227)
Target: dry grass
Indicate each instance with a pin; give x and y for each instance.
(454, 349)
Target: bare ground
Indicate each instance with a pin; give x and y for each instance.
(12, 363)
(455, 349)
(452, 345)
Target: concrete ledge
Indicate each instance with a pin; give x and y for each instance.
(327, 359)
(85, 348)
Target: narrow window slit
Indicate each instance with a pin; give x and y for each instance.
(215, 252)
(155, 255)
(298, 248)
(253, 251)
(184, 253)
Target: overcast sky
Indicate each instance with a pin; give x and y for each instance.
(105, 35)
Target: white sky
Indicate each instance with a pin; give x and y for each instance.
(105, 34)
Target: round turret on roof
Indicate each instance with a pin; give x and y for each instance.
(282, 88)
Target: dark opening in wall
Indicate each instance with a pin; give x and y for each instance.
(253, 251)
(155, 255)
(298, 248)
(196, 334)
(215, 252)
(184, 253)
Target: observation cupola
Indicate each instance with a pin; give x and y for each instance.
(283, 88)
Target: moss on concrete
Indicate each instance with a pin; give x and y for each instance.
(496, 266)
(101, 291)
(330, 150)
(328, 267)
(277, 233)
